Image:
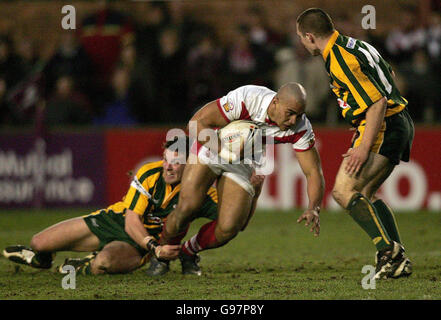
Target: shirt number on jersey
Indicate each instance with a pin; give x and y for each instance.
(374, 58)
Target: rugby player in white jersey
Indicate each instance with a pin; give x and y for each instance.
(282, 115)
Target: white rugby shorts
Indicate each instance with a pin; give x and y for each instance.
(239, 173)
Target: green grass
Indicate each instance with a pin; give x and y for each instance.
(275, 258)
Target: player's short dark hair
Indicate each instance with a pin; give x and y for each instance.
(315, 21)
(179, 143)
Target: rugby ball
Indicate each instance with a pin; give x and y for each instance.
(237, 140)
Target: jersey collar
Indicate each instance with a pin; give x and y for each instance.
(330, 44)
(269, 121)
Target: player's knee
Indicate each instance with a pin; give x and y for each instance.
(336, 195)
(39, 243)
(226, 232)
(341, 196)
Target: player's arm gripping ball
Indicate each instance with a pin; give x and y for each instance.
(238, 140)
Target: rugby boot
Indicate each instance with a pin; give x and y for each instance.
(403, 270)
(77, 263)
(27, 256)
(190, 264)
(158, 267)
(392, 263)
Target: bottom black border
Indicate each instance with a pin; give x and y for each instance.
(218, 309)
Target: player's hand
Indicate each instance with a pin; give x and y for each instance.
(312, 217)
(356, 158)
(257, 180)
(167, 251)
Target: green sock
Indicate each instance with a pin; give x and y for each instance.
(365, 214)
(387, 218)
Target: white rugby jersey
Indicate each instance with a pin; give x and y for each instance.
(251, 103)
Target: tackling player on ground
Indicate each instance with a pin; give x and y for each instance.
(370, 101)
(125, 233)
(282, 116)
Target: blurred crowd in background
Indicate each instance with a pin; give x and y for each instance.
(116, 69)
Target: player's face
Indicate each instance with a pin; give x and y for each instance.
(173, 165)
(286, 115)
(309, 42)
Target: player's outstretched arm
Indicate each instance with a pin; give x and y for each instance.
(135, 229)
(310, 163)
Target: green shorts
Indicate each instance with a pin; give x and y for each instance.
(109, 226)
(394, 140)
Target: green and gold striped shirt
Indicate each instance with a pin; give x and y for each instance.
(359, 77)
(150, 195)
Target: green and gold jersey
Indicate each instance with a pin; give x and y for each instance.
(152, 198)
(359, 77)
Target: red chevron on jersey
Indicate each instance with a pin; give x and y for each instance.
(252, 103)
